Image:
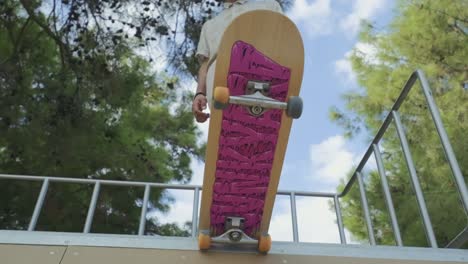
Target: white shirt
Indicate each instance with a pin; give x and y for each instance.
(213, 29)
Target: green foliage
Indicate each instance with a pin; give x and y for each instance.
(171, 230)
(170, 27)
(100, 115)
(427, 35)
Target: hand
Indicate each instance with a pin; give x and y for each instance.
(198, 106)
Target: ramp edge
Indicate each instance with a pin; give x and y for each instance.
(278, 248)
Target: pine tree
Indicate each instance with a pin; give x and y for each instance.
(81, 103)
(431, 35)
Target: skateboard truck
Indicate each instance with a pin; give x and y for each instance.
(234, 227)
(255, 99)
(257, 90)
(234, 231)
(233, 234)
(233, 223)
(260, 86)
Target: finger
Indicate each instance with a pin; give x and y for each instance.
(198, 110)
(203, 102)
(201, 114)
(201, 117)
(205, 117)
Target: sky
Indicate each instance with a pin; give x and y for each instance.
(318, 155)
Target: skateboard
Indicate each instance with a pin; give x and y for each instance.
(257, 80)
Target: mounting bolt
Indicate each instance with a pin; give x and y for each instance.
(235, 236)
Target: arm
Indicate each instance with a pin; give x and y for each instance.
(201, 87)
(199, 101)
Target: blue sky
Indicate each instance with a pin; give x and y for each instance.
(318, 155)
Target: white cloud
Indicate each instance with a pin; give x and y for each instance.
(362, 9)
(182, 208)
(316, 17)
(367, 51)
(198, 169)
(180, 211)
(280, 224)
(316, 222)
(344, 69)
(343, 66)
(331, 160)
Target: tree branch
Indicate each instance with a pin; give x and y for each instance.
(63, 48)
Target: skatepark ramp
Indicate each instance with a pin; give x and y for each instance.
(22, 247)
(30, 246)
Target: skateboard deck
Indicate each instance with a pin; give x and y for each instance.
(260, 62)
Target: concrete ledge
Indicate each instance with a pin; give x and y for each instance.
(104, 246)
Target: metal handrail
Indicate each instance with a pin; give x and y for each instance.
(46, 180)
(417, 75)
(387, 121)
(106, 182)
(372, 149)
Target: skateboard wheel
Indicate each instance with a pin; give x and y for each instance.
(264, 244)
(221, 95)
(294, 108)
(204, 241)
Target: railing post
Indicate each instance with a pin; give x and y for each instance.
(92, 207)
(450, 154)
(387, 195)
(144, 207)
(415, 181)
(196, 196)
(39, 203)
(365, 206)
(339, 219)
(294, 217)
